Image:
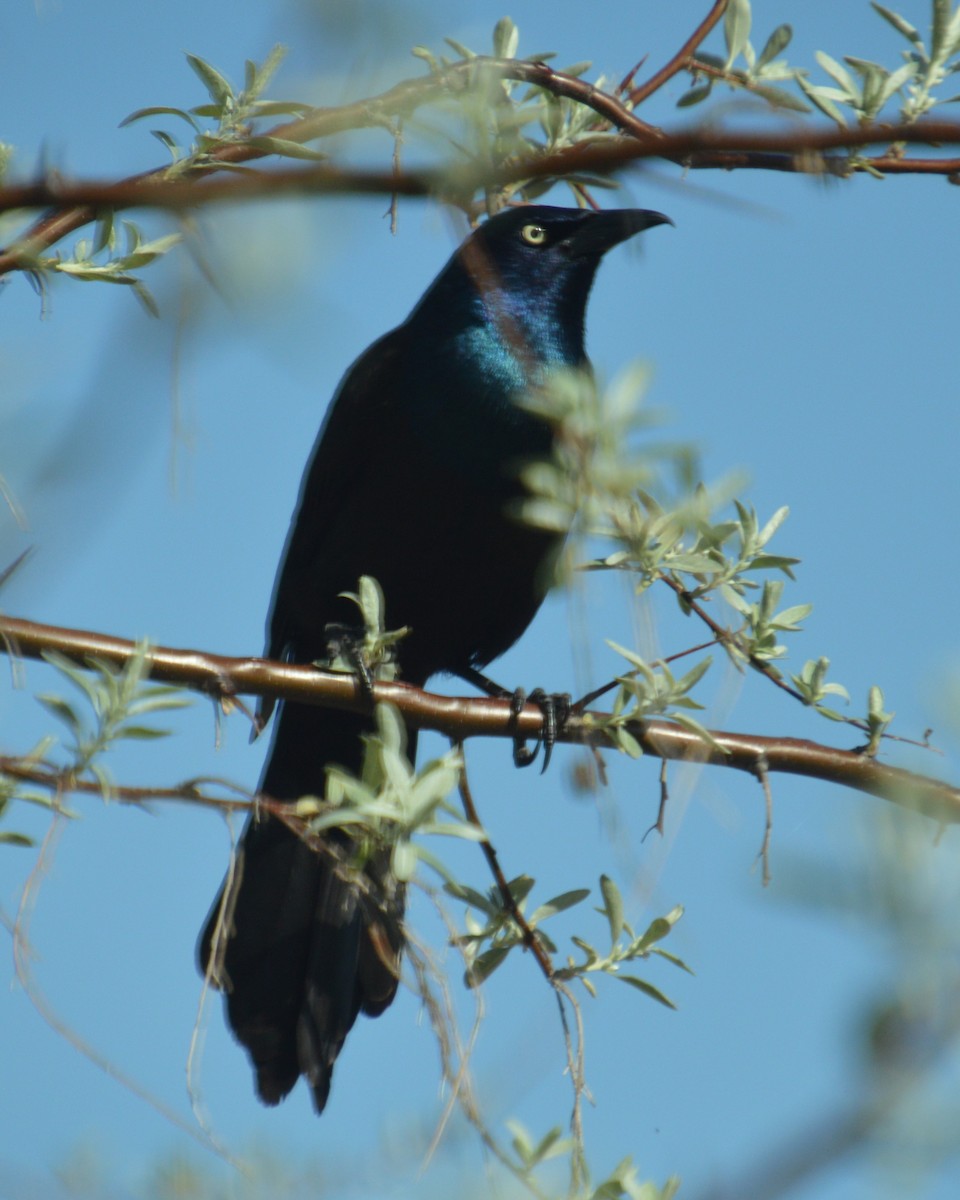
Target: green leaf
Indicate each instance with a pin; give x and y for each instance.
(628, 743)
(157, 110)
(656, 931)
(142, 733)
(789, 618)
(687, 682)
(777, 41)
(15, 839)
(780, 98)
(647, 988)
(257, 78)
(62, 710)
(736, 29)
(897, 80)
(484, 965)
(694, 726)
(168, 142)
(218, 88)
(506, 38)
(899, 23)
(286, 148)
(671, 958)
(840, 74)
(279, 108)
(90, 687)
(558, 904)
(695, 95)
(521, 887)
(612, 907)
(822, 98)
(403, 861)
(460, 48)
(428, 57)
(461, 891)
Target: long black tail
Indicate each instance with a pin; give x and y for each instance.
(300, 949)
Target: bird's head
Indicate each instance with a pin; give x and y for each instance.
(532, 268)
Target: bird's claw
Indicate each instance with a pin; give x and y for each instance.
(555, 707)
(348, 642)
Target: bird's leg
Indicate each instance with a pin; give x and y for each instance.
(555, 707)
(347, 642)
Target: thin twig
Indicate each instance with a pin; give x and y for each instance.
(764, 776)
(528, 934)
(734, 643)
(682, 57)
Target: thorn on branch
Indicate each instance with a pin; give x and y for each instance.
(762, 773)
(657, 826)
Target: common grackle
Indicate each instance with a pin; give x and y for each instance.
(410, 481)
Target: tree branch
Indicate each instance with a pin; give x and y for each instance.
(697, 149)
(458, 717)
(188, 185)
(683, 56)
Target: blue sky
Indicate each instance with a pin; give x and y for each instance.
(803, 331)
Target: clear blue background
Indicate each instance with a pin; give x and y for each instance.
(803, 329)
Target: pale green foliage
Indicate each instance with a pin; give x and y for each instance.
(115, 705)
(506, 119)
(651, 690)
(609, 486)
(119, 700)
(101, 261)
(492, 933)
(861, 88)
(377, 650)
(812, 686)
(623, 1182)
(498, 121)
(868, 86)
(759, 73)
(232, 112)
(391, 803)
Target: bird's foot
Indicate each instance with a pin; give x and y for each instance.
(347, 643)
(555, 707)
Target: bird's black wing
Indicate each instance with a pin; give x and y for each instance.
(356, 456)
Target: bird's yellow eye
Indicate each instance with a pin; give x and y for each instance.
(534, 235)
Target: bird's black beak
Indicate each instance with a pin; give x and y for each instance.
(600, 231)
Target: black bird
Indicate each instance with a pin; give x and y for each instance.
(410, 481)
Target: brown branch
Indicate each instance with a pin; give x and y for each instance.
(737, 650)
(789, 150)
(682, 57)
(530, 940)
(30, 770)
(458, 717)
(74, 211)
(189, 185)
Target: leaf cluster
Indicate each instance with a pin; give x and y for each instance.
(114, 705)
(492, 932)
(868, 86)
(390, 803)
(622, 1183)
(101, 259)
(609, 485)
(761, 71)
(233, 114)
(506, 121)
